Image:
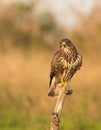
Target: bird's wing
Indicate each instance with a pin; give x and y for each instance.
(74, 66)
(52, 74)
(53, 67)
(57, 65)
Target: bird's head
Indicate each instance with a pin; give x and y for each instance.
(65, 43)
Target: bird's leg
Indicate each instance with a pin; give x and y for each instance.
(64, 83)
(69, 91)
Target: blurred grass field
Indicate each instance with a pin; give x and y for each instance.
(26, 50)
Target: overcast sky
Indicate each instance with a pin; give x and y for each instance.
(64, 10)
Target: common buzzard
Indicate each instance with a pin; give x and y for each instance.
(66, 61)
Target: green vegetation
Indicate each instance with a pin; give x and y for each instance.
(23, 120)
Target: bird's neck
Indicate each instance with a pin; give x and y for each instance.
(67, 50)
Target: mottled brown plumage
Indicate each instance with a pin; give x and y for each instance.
(66, 61)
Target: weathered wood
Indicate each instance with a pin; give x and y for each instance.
(58, 107)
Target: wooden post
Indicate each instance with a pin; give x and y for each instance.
(58, 108)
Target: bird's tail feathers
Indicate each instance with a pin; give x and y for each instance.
(54, 89)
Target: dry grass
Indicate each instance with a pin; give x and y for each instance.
(24, 79)
(24, 76)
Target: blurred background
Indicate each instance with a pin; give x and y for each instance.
(29, 35)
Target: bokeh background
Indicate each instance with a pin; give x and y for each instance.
(29, 35)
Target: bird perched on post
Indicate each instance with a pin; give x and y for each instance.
(66, 61)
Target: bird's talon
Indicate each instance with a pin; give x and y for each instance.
(63, 83)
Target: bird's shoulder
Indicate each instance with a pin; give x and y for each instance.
(59, 60)
(58, 52)
(58, 55)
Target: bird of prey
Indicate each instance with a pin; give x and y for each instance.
(66, 61)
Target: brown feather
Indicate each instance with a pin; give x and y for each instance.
(66, 61)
